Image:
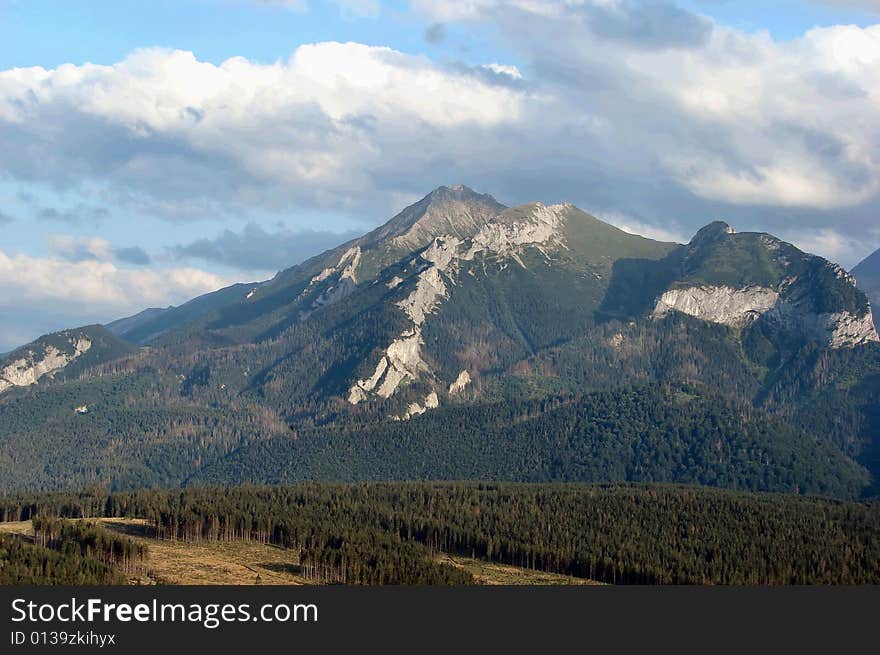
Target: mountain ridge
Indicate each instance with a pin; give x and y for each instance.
(867, 274)
(459, 302)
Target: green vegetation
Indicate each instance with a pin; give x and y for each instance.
(650, 433)
(645, 435)
(66, 553)
(392, 533)
(755, 259)
(88, 540)
(571, 377)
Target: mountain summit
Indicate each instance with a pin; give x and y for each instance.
(454, 209)
(496, 320)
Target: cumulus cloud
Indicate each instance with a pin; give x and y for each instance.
(732, 117)
(103, 283)
(827, 242)
(172, 134)
(84, 248)
(502, 69)
(255, 249)
(643, 107)
(631, 225)
(133, 255)
(78, 248)
(50, 293)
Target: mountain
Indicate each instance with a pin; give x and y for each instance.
(467, 339)
(867, 273)
(129, 324)
(60, 353)
(150, 324)
(736, 279)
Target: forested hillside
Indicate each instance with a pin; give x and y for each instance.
(649, 433)
(467, 340)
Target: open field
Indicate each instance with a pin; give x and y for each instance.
(206, 563)
(17, 527)
(249, 562)
(491, 573)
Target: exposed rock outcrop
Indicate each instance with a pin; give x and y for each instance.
(833, 329)
(461, 382)
(31, 365)
(790, 290)
(538, 227)
(345, 284)
(432, 401)
(722, 304)
(739, 307)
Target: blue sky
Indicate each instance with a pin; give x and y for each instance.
(52, 32)
(220, 140)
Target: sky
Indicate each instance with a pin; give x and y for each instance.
(151, 152)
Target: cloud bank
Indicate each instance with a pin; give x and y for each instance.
(43, 294)
(636, 101)
(256, 249)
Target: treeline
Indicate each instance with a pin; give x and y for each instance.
(89, 540)
(24, 563)
(388, 533)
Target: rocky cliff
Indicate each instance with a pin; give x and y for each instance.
(29, 365)
(770, 280)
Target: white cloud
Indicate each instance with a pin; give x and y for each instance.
(831, 244)
(673, 234)
(733, 117)
(797, 122)
(96, 286)
(646, 108)
(78, 248)
(165, 129)
(502, 69)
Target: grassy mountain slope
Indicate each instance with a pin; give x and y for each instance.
(455, 305)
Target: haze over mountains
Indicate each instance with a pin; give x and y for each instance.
(867, 274)
(465, 339)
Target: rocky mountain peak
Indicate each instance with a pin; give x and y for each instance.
(456, 209)
(711, 232)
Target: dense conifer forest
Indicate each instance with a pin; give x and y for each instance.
(390, 533)
(67, 553)
(646, 433)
